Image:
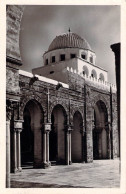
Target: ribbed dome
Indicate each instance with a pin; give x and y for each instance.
(69, 40)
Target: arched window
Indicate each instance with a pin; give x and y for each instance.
(101, 77)
(85, 70)
(94, 74)
(53, 59)
(91, 59)
(46, 61)
(83, 55)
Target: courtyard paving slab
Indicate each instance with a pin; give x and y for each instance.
(99, 174)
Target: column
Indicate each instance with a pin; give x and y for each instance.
(18, 151)
(47, 148)
(17, 145)
(83, 145)
(7, 154)
(109, 142)
(67, 147)
(70, 161)
(15, 150)
(44, 148)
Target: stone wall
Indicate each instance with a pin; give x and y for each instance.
(14, 16)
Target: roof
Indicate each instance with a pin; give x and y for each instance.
(69, 40)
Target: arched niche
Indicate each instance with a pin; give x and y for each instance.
(76, 138)
(57, 135)
(31, 136)
(101, 77)
(85, 70)
(100, 136)
(94, 74)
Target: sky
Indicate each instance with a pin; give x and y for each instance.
(99, 25)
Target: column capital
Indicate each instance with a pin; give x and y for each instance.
(69, 128)
(18, 124)
(47, 127)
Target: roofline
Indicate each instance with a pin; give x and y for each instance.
(66, 48)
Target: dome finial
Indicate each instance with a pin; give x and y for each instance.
(69, 30)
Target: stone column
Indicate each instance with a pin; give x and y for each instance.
(70, 161)
(44, 147)
(47, 148)
(67, 147)
(83, 144)
(18, 151)
(8, 154)
(15, 151)
(108, 129)
(17, 144)
(47, 129)
(70, 130)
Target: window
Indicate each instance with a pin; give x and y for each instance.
(46, 62)
(62, 57)
(91, 59)
(94, 74)
(101, 77)
(72, 56)
(85, 70)
(83, 56)
(53, 59)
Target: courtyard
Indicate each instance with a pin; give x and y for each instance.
(99, 174)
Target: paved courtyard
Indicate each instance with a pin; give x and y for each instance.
(99, 174)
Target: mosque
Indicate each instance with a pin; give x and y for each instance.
(62, 112)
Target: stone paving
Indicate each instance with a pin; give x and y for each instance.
(99, 174)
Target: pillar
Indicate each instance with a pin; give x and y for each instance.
(70, 161)
(70, 128)
(8, 154)
(67, 147)
(47, 129)
(18, 151)
(17, 145)
(83, 144)
(44, 147)
(15, 151)
(109, 141)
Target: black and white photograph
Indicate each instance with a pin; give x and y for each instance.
(63, 97)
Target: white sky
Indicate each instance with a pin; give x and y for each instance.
(99, 25)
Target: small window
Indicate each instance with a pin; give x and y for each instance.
(72, 56)
(91, 59)
(46, 61)
(83, 56)
(51, 72)
(53, 59)
(62, 57)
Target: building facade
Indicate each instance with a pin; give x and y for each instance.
(63, 112)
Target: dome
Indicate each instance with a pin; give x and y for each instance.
(69, 40)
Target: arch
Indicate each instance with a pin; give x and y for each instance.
(58, 102)
(76, 137)
(100, 137)
(24, 101)
(83, 55)
(31, 136)
(94, 74)
(101, 98)
(101, 77)
(85, 70)
(57, 134)
(91, 58)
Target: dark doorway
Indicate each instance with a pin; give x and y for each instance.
(31, 136)
(27, 140)
(53, 141)
(100, 136)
